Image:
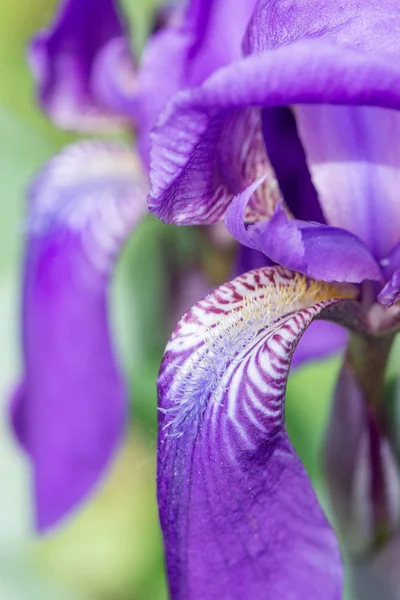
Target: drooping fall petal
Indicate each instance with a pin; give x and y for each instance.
(64, 58)
(69, 410)
(237, 509)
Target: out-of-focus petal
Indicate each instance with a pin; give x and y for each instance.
(63, 59)
(319, 251)
(113, 79)
(360, 459)
(353, 154)
(320, 340)
(186, 52)
(17, 415)
(238, 512)
(186, 139)
(248, 259)
(70, 409)
(377, 575)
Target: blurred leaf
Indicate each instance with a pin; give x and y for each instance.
(309, 394)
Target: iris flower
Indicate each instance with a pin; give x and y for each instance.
(296, 146)
(70, 408)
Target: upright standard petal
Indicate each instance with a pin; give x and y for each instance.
(237, 509)
(354, 157)
(69, 411)
(63, 58)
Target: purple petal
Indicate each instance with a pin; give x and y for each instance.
(201, 193)
(197, 118)
(63, 59)
(370, 27)
(114, 77)
(354, 161)
(390, 294)
(18, 416)
(248, 259)
(288, 160)
(183, 54)
(237, 509)
(319, 251)
(320, 340)
(70, 410)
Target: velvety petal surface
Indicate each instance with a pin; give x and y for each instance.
(69, 411)
(319, 251)
(63, 59)
(237, 508)
(181, 55)
(346, 60)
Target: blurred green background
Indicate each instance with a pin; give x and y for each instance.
(111, 549)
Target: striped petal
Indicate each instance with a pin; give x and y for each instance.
(69, 411)
(237, 509)
(85, 38)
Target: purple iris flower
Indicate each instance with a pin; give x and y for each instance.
(295, 145)
(69, 410)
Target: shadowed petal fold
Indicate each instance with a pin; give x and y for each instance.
(237, 508)
(64, 58)
(69, 411)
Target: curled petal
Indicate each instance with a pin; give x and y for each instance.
(63, 59)
(330, 74)
(69, 412)
(237, 509)
(319, 251)
(228, 156)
